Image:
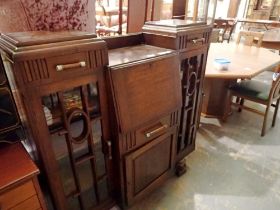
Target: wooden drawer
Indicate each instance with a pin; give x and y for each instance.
(67, 66)
(29, 204)
(193, 41)
(147, 133)
(149, 166)
(17, 195)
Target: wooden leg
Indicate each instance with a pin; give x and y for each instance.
(265, 119)
(275, 112)
(237, 100)
(241, 104)
(181, 168)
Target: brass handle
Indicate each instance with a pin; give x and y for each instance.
(195, 41)
(70, 66)
(109, 149)
(149, 134)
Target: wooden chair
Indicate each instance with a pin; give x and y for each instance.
(258, 92)
(228, 33)
(226, 28)
(215, 35)
(249, 37)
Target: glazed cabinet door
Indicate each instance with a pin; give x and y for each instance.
(75, 119)
(149, 165)
(192, 75)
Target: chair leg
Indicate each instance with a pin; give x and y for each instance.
(275, 112)
(237, 100)
(241, 103)
(265, 119)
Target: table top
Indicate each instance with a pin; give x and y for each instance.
(246, 61)
(15, 166)
(250, 20)
(272, 35)
(135, 53)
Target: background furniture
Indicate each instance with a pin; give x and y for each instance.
(226, 26)
(264, 23)
(19, 187)
(258, 92)
(249, 37)
(67, 115)
(268, 9)
(191, 40)
(246, 62)
(271, 39)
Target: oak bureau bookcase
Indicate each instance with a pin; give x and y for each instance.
(59, 80)
(105, 114)
(145, 100)
(191, 40)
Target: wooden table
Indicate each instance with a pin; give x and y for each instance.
(246, 62)
(265, 23)
(271, 39)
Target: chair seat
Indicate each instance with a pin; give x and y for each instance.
(265, 77)
(253, 89)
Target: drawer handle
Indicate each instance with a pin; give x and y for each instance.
(149, 134)
(109, 144)
(195, 41)
(70, 66)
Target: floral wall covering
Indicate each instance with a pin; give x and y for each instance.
(53, 15)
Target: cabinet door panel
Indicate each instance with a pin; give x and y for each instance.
(148, 166)
(192, 71)
(80, 145)
(146, 92)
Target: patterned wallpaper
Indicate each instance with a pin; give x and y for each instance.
(50, 15)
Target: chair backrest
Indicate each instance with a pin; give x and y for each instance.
(249, 37)
(215, 35)
(221, 24)
(275, 89)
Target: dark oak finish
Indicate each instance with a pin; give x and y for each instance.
(191, 40)
(145, 120)
(19, 188)
(45, 67)
(78, 78)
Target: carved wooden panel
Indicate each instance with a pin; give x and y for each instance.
(33, 70)
(192, 71)
(149, 165)
(97, 58)
(75, 127)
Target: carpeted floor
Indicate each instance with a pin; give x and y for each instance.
(232, 168)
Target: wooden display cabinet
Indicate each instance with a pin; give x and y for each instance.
(191, 40)
(58, 79)
(144, 85)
